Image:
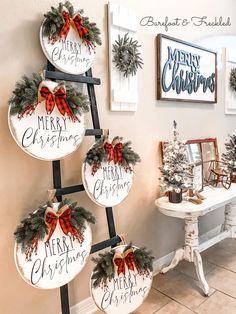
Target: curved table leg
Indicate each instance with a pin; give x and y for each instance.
(199, 268)
(179, 255)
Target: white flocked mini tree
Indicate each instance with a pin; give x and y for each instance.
(176, 170)
(229, 157)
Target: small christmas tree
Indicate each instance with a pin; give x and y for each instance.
(229, 157)
(176, 169)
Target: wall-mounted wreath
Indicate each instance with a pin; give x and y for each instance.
(126, 55)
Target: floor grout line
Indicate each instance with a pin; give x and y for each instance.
(210, 262)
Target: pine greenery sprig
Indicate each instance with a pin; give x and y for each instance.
(144, 259)
(232, 79)
(25, 95)
(97, 154)
(77, 101)
(54, 22)
(229, 157)
(34, 224)
(104, 270)
(126, 55)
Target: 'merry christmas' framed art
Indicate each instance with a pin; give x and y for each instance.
(185, 71)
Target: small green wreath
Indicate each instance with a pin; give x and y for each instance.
(232, 79)
(25, 97)
(98, 154)
(126, 56)
(34, 227)
(54, 23)
(104, 270)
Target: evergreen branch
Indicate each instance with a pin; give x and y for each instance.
(77, 101)
(54, 22)
(97, 154)
(25, 93)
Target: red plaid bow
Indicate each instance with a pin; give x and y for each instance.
(126, 259)
(77, 21)
(114, 152)
(58, 97)
(64, 218)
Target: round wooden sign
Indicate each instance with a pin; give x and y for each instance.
(109, 185)
(70, 55)
(47, 136)
(57, 261)
(125, 292)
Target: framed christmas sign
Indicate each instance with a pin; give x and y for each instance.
(53, 244)
(46, 118)
(185, 72)
(107, 171)
(69, 39)
(121, 279)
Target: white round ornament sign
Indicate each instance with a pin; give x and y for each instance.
(71, 54)
(47, 136)
(109, 185)
(57, 261)
(125, 292)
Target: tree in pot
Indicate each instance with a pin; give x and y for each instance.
(176, 170)
(229, 157)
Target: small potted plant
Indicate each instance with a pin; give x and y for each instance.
(176, 170)
(229, 157)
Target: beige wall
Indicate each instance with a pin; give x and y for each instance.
(24, 180)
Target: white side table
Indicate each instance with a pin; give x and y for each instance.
(215, 198)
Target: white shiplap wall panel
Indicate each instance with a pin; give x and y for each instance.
(123, 91)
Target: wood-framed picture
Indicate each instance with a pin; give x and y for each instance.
(185, 72)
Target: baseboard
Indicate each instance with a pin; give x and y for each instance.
(88, 306)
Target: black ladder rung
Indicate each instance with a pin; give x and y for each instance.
(55, 75)
(104, 244)
(92, 132)
(70, 190)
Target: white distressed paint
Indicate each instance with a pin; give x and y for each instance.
(215, 198)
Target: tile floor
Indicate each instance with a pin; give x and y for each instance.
(177, 292)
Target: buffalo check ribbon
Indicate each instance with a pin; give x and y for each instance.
(76, 22)
(56, 97)
(64, 218)
(114, 152)
(121, 260)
